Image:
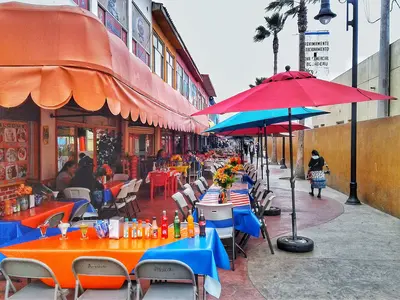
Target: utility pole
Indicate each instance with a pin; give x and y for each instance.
(384, 58)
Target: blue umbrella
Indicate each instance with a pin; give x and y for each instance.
(261, 119)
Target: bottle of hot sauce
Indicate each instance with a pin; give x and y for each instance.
(164, 225)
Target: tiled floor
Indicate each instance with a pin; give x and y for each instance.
(237, 285)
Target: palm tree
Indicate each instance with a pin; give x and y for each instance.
(274, 25)
(297, 8)
(258, 81)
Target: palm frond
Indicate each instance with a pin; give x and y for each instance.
(278, 5)
(292, 12)
(261, 34)
(274, 22)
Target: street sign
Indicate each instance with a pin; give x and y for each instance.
(317, 53)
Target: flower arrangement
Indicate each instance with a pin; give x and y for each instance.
(237, 168)
(176, 158)
(224, 177)
(210, 153)
(23, 190)
(235, 160)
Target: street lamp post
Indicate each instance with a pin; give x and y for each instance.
(324, 16)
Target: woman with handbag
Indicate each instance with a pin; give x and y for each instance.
(316, 173)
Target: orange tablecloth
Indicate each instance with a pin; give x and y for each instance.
(35, 216)
(59, 254)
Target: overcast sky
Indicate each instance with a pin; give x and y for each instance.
(219, 36)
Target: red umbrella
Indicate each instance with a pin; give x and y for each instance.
(292, 89)
(282, 127)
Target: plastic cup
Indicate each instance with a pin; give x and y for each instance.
(84, 230)
(64, 229)
(43, 230)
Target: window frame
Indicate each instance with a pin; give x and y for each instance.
(138, 44)
(179, 78)
(170, 64)
(157, 38)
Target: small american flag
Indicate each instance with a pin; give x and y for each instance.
(236, 199)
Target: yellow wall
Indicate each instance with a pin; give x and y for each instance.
(378, 159)
(167, 46)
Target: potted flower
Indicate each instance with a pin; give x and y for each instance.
(23, 192)
(235, 160)
(224, 178)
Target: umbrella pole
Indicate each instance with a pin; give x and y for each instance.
(266, 156)
(262, 157)
(294, 243)
(258, 152)
(283, 162)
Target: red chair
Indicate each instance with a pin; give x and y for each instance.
(159, 179)
(173, 183)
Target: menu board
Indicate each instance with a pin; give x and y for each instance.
(13, 152)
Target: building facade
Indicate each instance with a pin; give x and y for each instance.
(368, 79)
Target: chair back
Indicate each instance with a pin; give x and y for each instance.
(132, 184)
(191, 196)
(155, 269)
(138, 183)
(181, 203)
(120, 177)
(200, 186)
(213, 169)
(124, 191)
(265, 202)
(256, 187)
(215, 212)
(187, 186)
(79, 212)
(99, 266)
(55, 219)
(26, 268)
(158, 178)
(204, 181)
(77, 193)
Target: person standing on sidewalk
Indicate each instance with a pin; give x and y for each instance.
(316, 173)
(251, 151)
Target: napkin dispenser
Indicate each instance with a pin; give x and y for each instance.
(116, 228)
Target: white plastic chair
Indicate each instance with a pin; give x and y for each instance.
(170, 270)
(120, 177)
(200, 186)
(123, 198)
(181, 203)
(98, 266)
(204, 181)
(221, 212)
(189, 193)
(31, 269)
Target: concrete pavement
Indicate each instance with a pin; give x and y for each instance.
(356, 255)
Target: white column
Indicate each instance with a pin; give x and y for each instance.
(130, 25)
(93, 7)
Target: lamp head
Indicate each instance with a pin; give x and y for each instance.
(325, 14)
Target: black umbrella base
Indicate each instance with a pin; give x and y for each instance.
(272, 211)
(300, 245)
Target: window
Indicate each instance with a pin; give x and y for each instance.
(186, 85)
(179, 78)
(193, 92)
(114, 15)
(158, 56)
(82, 3)
(170, 69)
(141, 35)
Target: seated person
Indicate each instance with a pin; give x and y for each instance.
(85, 178)
(160, 158)
(65, 176)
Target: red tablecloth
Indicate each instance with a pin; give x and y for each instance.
(35, 216)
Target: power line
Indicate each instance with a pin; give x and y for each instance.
(367, 9)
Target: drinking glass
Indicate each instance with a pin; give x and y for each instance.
(55, 194)
(63, 228)
(43, 230)
(84, 230)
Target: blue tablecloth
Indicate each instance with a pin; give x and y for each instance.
(245, 220)
(78, 203)
(10, 230)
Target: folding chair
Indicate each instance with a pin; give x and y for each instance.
(266, 198)
(79, 212)
(221, 212)
(135, 192)
(54, 220)
(191, 197)
(204, 181)
(181, 203)
(80, 193)
(123, 198)
(116, 204)
(202, 190)
(183, 286)
(97, 266)
(30, 269)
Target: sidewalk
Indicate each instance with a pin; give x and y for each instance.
(356, 255)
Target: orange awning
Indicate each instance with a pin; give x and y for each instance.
(54, 53)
